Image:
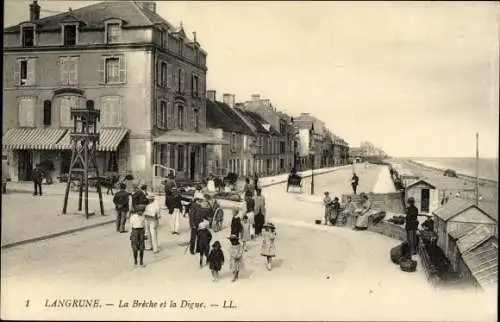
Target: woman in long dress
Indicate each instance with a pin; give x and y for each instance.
(364, 213)
(268, 249)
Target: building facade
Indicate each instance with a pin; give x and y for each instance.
(144, 75)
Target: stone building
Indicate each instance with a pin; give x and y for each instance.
(145, 75)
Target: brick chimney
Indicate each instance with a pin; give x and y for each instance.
(255, 97)
(34, 11)
(229, 99)
(149, 5)
(211, 95)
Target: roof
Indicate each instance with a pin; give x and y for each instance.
(220, 115)
(475, 237)
(255, 120)
(262, 121)
(462, 230)
(452, 208)
(482, 261)
(420, 181)
(94, 16)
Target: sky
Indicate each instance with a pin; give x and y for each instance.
(415, 78)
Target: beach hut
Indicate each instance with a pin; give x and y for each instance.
(478, 261)
(425, 194)
(455, 214)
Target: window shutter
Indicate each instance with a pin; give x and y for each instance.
(102, 71)
(202, 86)
(123, 69)
(63, 70)
(30, 112)
(31, 71)
(175, 79)
(73, 73)
(164, 113)
(17, 73)
(170, 115)
(116, 111)
(170, 75)
(158, 114)
(158, 72)
(182, 81)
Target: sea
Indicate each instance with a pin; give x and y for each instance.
(488, 167)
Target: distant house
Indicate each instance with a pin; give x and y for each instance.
(458, 214)
(475, 255)
(425, 194)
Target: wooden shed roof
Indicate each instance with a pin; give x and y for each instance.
(452, 208)
(482, 261)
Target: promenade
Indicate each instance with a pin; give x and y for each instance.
(343, 274)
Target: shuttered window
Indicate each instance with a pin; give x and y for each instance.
(27, 111)
(24, 72)
(113, 32)
(69, 70)
(113, 70)
(110, 111)
(47, 112)
(180, 117)
(164, 74)
(66, 103)
(161, 115)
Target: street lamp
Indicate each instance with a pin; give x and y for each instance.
(311, 151)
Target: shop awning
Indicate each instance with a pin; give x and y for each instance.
(176, 136)
(108, 141)
(32, 138)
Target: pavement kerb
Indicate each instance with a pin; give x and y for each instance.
(74, 230)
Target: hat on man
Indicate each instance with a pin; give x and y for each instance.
(411, 200)
(269, 224)
(233, 237)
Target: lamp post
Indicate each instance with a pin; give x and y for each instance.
(311, 151)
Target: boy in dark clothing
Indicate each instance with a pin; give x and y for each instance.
(236, 225)
(203, 241)
(121, 201)
(354, 182)
(139, 198)
(37, 180)
(216, 260)
(411, 225)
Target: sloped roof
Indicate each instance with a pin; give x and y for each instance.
(421, 181)
(475, 237)
(94, 16)
(262, 121)
(462, 230)
(216, 118)
(482, 261)
(235, 118)
(452, 208)
(250, 118)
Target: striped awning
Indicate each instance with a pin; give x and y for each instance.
(32, 138)
(108, 141)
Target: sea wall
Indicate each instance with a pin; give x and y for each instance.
(388, 202)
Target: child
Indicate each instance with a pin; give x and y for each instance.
(334, 211)
(236, 256)
(327, 202)
(268, 249)
(245, 233)
(204, 237)
(216, 260)
(137, 235)
(236, 226)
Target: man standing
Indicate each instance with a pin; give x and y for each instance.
(411, 225)
(354, 182)
(37, 180)
(152, 216)
(138, 197)
(174, 205)
(195, 218)
(121, 201)
(170, 183)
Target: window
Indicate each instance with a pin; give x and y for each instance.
(233, 142)
(113, 33)
(180, 117)
(27, 112)
(90, 104)
(194, 86)
(161, 115)
(196, 120)
(110, 111)
(163, 74)
(69, 70)
(282, 147)
(172, 156)
(28, 36)
(113, 69)
(180, 158)
(69, 35)
(112, 164)
(180, 80)
(66, 103)
(24, 72)
(47, 112)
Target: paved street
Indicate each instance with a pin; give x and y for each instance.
(320, 273)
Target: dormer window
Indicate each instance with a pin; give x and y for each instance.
(28, 36)
(113, 32)
(69, 35)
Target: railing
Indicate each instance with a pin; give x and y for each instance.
(160, 173)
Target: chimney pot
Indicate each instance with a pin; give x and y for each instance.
(34, 11)
(211, 95)
(229, 99)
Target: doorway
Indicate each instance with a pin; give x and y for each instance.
(424, 200)
(65, 161)
(25, 165)
(192, 164)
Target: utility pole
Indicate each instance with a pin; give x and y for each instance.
(477, 170)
